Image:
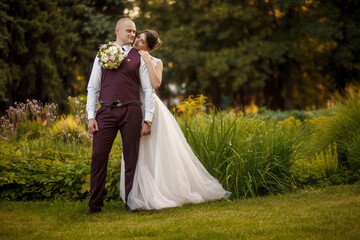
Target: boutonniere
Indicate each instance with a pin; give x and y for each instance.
(110, 55)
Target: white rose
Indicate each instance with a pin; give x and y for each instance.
(104, 58)
(113, 50)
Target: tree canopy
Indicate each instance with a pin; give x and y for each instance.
(47, 47)
(282, 54)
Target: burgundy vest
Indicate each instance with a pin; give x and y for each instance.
(123, 83)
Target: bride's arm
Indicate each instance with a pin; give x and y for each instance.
(155, 73)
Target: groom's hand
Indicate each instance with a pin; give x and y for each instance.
(92, 125)
(145, 130)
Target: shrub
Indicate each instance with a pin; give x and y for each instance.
(68, 129)
(354, 152)
(341, 126)
(78, 109)
(321, 166)
(249, 156)
(192, 106)
(267, 114)
(51, 174)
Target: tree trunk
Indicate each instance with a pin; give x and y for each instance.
(273, 88)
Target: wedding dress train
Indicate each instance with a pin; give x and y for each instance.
(168, 174)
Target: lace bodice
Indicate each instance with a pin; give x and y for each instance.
(155, 60)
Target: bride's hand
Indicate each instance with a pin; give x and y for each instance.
(145, 55)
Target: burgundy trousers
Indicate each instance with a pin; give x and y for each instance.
(128, 120)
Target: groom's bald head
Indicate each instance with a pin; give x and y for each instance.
(122, 21)
(125, 31)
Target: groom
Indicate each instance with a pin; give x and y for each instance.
(120, 110)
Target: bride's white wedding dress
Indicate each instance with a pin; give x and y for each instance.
(168, 174)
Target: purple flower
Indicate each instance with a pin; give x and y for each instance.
(39, 155)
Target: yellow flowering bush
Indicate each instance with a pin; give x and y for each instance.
(68, 129)
(192, 105)
(291, 121)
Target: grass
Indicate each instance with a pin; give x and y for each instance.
(327, 213)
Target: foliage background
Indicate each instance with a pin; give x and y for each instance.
(279, 54)
(251, 155)
(272, 54)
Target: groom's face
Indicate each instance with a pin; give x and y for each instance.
(126, 32)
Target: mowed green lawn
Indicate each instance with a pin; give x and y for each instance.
(326, 213)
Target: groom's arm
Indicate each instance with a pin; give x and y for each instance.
(93, 89)
(148, 90)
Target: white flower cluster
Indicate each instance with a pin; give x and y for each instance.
(110, 55)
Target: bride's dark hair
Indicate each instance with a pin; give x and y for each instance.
(152, 39)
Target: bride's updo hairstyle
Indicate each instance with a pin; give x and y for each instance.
(152, 39)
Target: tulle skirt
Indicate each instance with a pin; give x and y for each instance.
(168, 174)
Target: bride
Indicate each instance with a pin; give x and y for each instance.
(168, 174)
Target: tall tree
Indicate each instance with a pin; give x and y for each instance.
(36, 50)
(344, 63)
(47, 47)
(273, 51)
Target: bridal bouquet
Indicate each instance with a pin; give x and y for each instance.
(110, 55)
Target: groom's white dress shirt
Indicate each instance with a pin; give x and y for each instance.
(94, 87)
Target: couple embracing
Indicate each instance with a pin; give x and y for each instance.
(158, 168)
